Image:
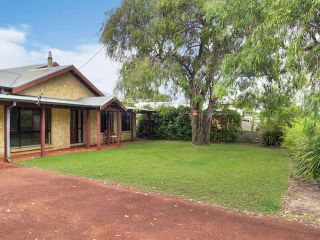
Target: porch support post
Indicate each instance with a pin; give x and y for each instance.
(132, 125)
(88, 129)
(118, 127)
(7, 111)
(148, 124)
(109, 127)
(98, 129)
(43, 131)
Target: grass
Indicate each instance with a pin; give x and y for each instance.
(235, 176)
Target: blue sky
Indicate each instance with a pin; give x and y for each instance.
(59, 23)
(69, 28)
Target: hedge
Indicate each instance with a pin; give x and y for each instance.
(172, 123)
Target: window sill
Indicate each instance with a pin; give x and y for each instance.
(28, 148)
(76, 144)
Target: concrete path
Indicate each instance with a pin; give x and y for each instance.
(36, 204)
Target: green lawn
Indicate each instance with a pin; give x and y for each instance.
(235, 176)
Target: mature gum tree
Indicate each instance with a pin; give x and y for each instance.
(170, 45)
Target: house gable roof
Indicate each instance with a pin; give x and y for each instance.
(21, 78)
(102, 102)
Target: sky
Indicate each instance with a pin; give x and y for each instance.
(69, 28)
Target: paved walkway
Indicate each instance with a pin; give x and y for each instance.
(36, 204)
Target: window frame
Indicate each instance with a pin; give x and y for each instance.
(125, 121)
(18, 133)
(104, 122)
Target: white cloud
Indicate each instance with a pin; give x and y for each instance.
(101, 71)
(12, 35)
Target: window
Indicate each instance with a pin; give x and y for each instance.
(76, 126)
(126, 121)
(111, 122)
(104, 122)
(25, 126)
(103, 126)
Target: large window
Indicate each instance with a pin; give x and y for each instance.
(25, 126)
(126, 121)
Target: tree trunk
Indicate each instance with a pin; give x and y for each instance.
(201, 125)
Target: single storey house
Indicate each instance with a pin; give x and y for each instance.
(48, 107)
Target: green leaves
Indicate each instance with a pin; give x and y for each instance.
(167, 44)
(307, 157)
(142, 79)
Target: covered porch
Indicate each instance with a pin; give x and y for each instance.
(41, 126)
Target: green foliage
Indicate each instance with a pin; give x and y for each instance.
(272, 135)
(280, 55)
(173, 123)
(226, 126)
(292, 134)
(303, 143)
(236, 176)
(135, 79)
(171, 45)
(281, 35)
(275, 119)
(307, 156)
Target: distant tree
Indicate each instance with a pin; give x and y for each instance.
(172, 45)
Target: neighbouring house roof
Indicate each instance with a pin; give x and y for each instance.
(91, 102)
(140, 110)
(21, 78)
(160, 104)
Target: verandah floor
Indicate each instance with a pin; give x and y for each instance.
(74, 149)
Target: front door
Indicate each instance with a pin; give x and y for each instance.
(76, 130)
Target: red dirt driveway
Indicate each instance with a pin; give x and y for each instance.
(36, 204)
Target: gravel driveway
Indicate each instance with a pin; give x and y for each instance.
(37, 204)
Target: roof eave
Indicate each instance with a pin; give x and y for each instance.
(109, 102)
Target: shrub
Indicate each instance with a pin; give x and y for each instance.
(307, 157)
(274, 120)
(272, 135)
(226, 126)
(292, 135)
(172, 123)
(304, 145)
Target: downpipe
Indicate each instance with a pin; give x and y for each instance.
(8, 119)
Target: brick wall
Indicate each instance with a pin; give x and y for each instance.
(64, 87)
(60, 128)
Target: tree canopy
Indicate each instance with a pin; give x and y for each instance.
(199, 48)
(172, 45)
(278, 58)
